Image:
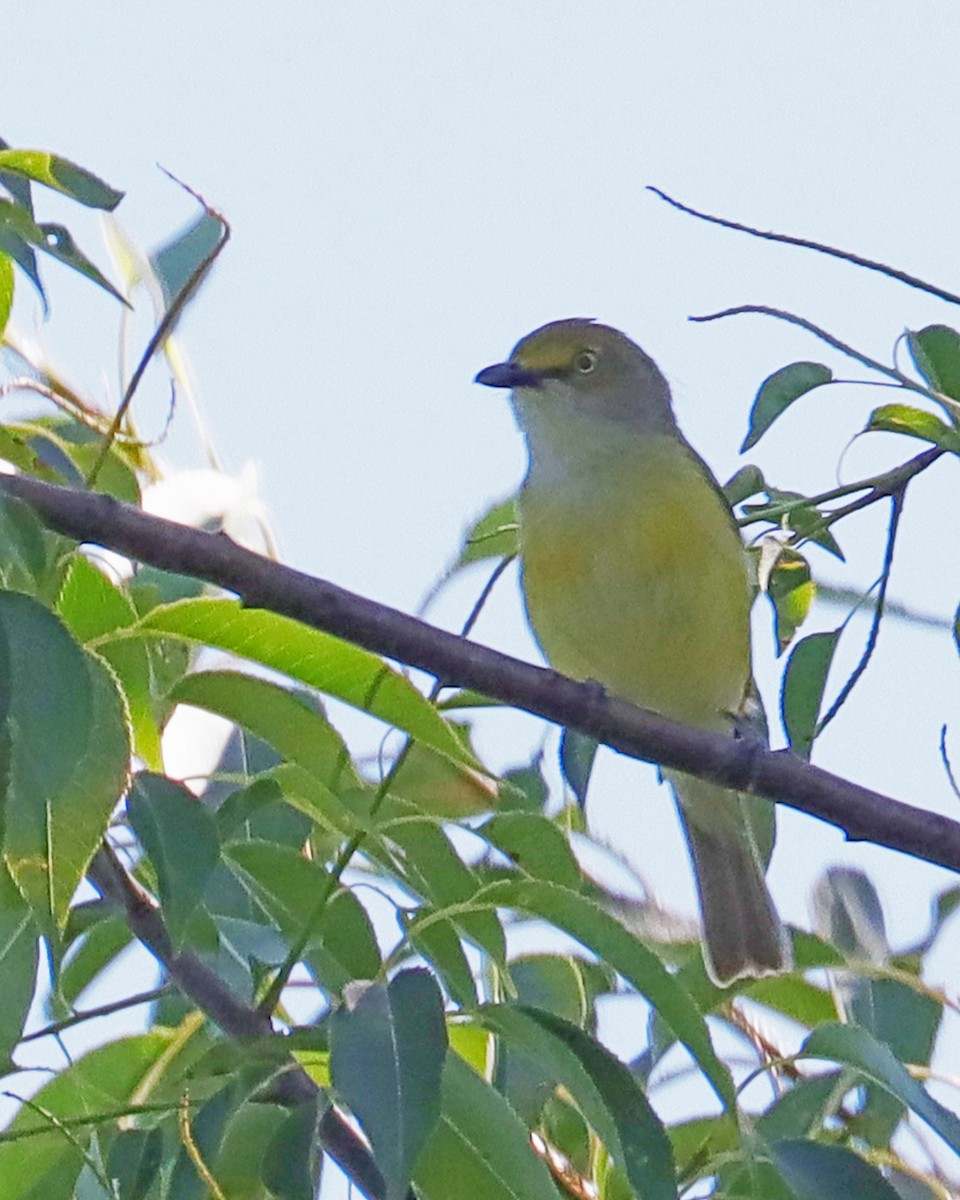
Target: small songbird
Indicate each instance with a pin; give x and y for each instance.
(635, 576)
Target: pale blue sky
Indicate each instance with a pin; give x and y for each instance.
(413, 186)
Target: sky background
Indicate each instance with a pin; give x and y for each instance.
(414, 186)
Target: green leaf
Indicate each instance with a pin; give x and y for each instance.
(287, 722)
(605, 1091)
(805, 1108)
(62, 175)
(6, 289)
(778, 392)
(19, 959)
(913, 422)
(604, 936)
(343, 945)
(66, 747)
(134, 1162)
(27, 549)
(857, 1048)
(180, 837)
(813, 1171)
(176, 260)
(479, 1147)
(99, 945)
(577, 755)
(438, 941)
(91, 606)
(562, 984)
(802, 693)
(113, 1074)
(291, 1158)
(387, 1050)
(936, 353)
(743, 484)
(791, 591)
(535, 845)
(56, 240)
(494, 535)
(314, 658)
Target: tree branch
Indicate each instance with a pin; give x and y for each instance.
(241, 1022)
(862, 814)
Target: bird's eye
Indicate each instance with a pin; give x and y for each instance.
(585, 361)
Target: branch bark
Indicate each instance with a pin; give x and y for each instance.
(239, 1021)
(862, 814)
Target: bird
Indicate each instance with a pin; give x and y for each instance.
(635, 578)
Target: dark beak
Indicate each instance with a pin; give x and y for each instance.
(508, 375)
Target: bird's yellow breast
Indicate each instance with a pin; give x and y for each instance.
(636, 577)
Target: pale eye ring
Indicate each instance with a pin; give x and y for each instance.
(585, 361)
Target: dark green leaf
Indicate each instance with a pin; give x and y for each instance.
(584, 920)
(803, 683)
(176, 260)
(743, 484)
(607, 1094)
(180, 837)
(525, 788)
(913, 422)
(577, 755)
(67, 749)
(563, 985)
(438, 941)
(803, 1109)
(61, 175)
(814, 1171)
(288, 886)
(875, 1061)
(113, 1073)
(387, 1050)
(778, 392)
(479, 1147)
(134, 1162)
(19, 958)
(291, 1158)
(936, 353)
(535, 845)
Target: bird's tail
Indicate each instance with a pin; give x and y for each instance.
(742, 932)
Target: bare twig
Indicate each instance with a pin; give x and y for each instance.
(896, 509)
(163, 330)
(820, 247)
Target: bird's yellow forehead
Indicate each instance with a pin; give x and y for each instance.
(549, 352)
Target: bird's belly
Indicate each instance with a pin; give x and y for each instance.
(651, 600)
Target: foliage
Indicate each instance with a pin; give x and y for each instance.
(470, 1070)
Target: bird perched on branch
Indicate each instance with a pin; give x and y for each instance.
(634, 576)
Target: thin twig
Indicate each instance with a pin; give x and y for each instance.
(878, 487)
(947, 765)
(765, 310)
(272, 996)
(896, 509)
(164, 329)
(820, 247)
(92, 1014)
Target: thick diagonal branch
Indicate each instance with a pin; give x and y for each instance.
(862, 814)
